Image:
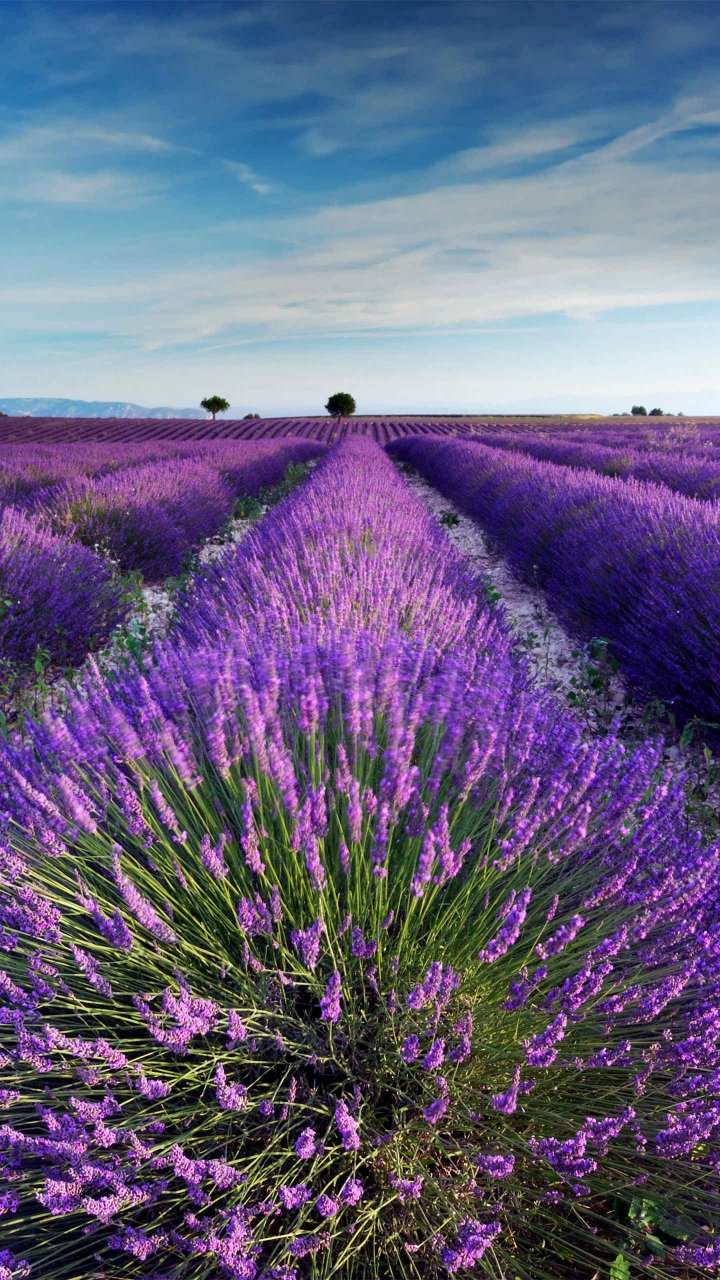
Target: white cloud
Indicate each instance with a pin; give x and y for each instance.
(73, 137)
(249, 177)
(318, 143)
(64, 163)
(582, 238)
(101, 188)
(517, 146)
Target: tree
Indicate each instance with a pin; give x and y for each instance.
(655, 413)
(250, 415)
(639, 410)
(341, 405)
(215, 404)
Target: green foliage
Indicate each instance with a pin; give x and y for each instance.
(341, 405)
(591, 689)
(215, 404)
(247, 416)
(247, 507)
(656, 413)
(295, 473)
(639, 410)
(449, 519)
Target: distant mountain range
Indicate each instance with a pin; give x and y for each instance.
(29, 407)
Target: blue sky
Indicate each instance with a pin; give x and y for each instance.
(458, 206)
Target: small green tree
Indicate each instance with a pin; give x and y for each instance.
(250, 415)
(639, 410)
(341, 405)
(215, 404)
(655, 413)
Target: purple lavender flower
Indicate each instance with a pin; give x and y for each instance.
(307, 942)
(348, 1127)
(473, 1239)
(211, 856)
(301, 1246)
(330, 1002)
(435, 1056)
(231, 1097)
(237, 1031)
(360, 948)
(541, 1050)
(509, 932)
(12, 1267)
(306, 1145)
(352, 1192)
(294, 1197)
(495, 1166)
(327, 1206)
(407, 1188)
(410, 1049)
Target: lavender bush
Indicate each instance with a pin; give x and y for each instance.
(334, 950)
(627, 560)
(54, 595)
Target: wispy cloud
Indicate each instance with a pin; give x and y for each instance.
(248, 176)
(74, 137)
(99, 189)
(580, 238)
(65, 163)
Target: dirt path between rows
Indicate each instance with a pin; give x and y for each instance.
(158, 602)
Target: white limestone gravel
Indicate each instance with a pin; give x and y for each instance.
(156, 606)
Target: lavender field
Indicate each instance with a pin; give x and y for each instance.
(338, 938)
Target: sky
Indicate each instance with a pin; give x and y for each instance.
(459, 207)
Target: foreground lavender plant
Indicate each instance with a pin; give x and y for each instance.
(347, 956)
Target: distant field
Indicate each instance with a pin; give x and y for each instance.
(381, 428)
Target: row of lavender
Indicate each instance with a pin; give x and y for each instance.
(330, 947)
(696, 474)
(146, 506)
(629, 561)
(73, 524)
